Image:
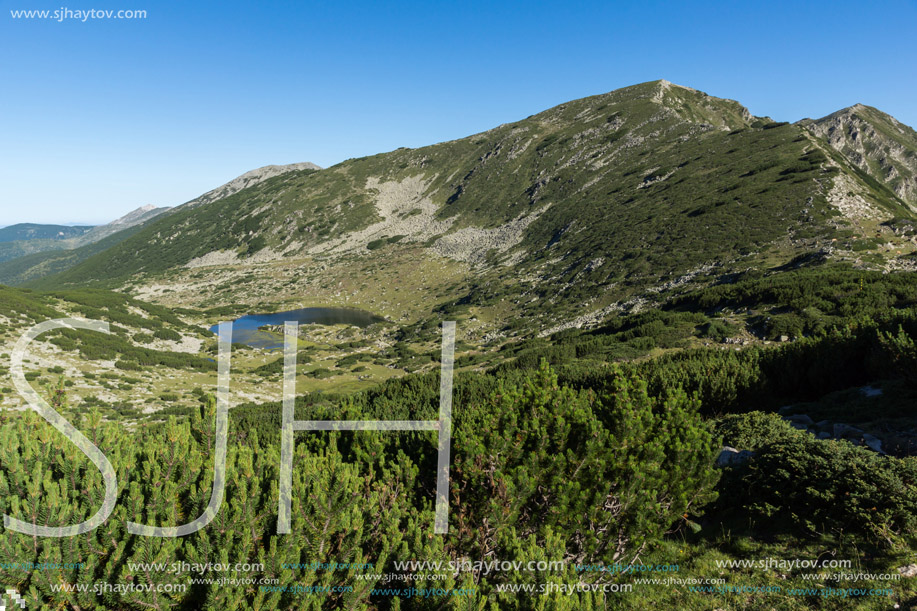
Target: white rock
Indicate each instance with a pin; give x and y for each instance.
(908, 571)
(731, 457)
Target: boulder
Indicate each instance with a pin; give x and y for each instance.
(731, 457)
(801, 419)
(873, 443)
(871, 391)
(842, 430)
(908, 571)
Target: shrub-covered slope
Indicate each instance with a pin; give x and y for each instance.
(575, 210)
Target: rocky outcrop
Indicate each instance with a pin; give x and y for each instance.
(876, 143)
(894, 442)
(731, 457)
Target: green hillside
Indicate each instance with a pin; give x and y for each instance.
(609, 200)
(628, 446)
(686, 338)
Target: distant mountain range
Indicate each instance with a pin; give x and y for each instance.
(31, 239)
(597, 205)
(31, 254)
(33, 231)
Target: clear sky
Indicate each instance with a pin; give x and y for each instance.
(100, 117)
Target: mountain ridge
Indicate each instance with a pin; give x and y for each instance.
(134, 217)
(41, 231)
(248, 179)
(594, 205)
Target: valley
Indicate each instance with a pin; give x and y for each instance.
(684, 334)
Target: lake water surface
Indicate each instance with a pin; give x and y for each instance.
(245, 330)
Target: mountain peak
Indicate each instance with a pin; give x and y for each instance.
(854, 109)
(698, 106)
(652, 103)
(131, 219)
(666, 84)
(606, 195)
(248, 179)
(133, 216)
(876, 143)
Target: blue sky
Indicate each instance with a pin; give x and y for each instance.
(101, 117)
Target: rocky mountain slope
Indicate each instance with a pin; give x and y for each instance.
(876, 143)
(131, 219)
(599, 205)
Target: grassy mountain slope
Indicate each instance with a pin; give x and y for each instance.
(734, 264)
(100, 370)
(596, 205)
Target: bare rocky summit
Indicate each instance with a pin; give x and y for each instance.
(248, 179)
(131, 219)
(876, 143)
